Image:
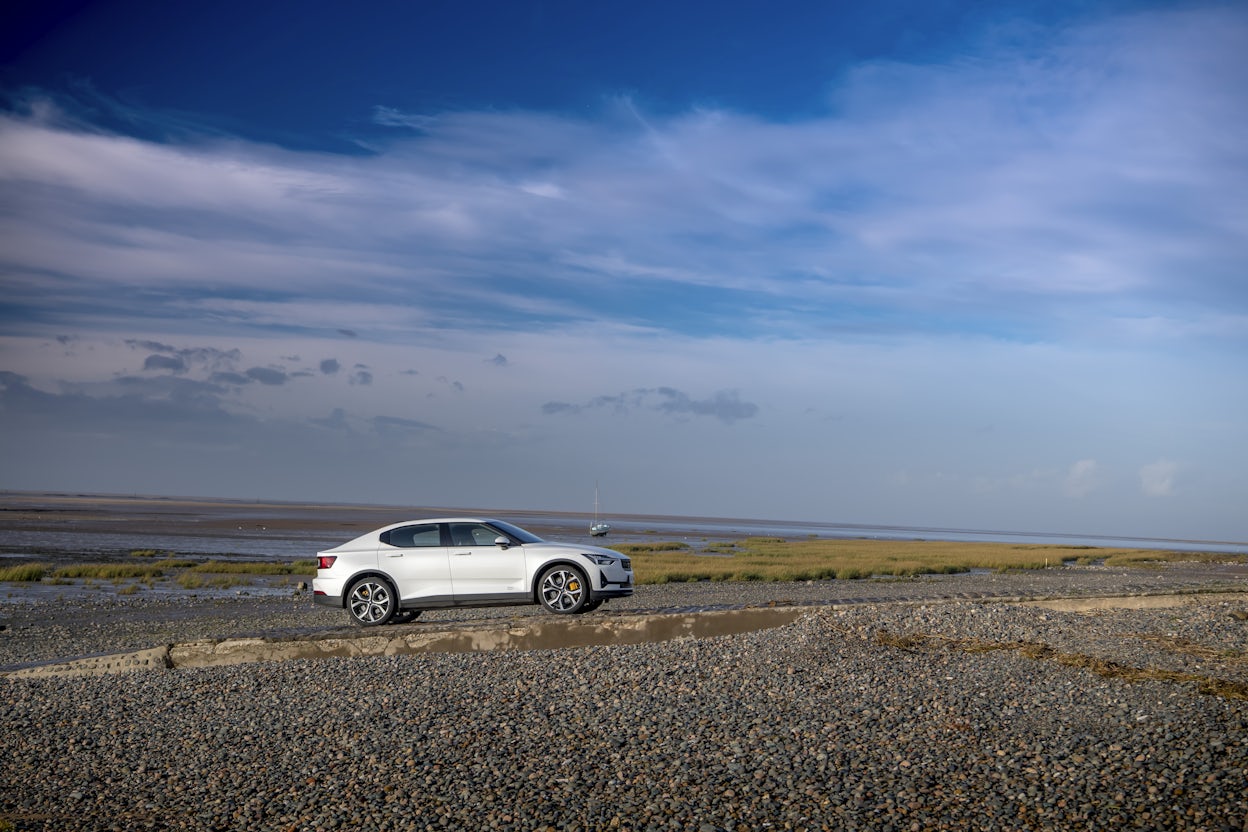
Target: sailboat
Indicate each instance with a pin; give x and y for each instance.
(597, 528)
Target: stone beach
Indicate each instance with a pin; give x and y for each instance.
(930, 703)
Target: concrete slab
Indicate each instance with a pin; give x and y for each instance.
(536, 634)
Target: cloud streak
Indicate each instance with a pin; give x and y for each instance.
(1090, 166)
(725, 405)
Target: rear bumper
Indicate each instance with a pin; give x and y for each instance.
(324, 600)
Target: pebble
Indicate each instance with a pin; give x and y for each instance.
(877, 716)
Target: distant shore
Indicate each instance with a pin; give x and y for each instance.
(228, 518)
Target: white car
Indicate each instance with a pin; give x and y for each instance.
(395, 572)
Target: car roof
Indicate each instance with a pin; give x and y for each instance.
(459, 519)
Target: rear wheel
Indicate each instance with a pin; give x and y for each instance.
(563, 590)
(372, 602)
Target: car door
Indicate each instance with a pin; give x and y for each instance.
(415, 557)
(481, 570)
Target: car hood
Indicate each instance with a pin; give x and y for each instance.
(572, 549)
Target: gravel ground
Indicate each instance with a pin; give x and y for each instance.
(962, 714)
(44, 626)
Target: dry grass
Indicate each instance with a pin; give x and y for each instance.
(775, 559)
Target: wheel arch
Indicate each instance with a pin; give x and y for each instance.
(535, 591)
(368, 573)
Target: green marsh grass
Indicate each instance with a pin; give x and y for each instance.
(199, 580)
(24, 572)
(111, 571)
(775, 559)
(638, 548)
(256, 567)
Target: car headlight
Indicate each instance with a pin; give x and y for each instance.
(601, 560)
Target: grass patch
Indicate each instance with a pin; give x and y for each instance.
(1146, 558)
(639, 548)
(256, 567)
(24, 572)
(776, 559)
(198, 580)
(110, 571)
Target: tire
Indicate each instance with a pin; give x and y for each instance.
(563, 590)
(372, 602)
(404, 616)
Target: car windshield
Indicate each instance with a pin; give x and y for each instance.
(515, 532)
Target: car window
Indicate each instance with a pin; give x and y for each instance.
(472, 534)
(413, 537)
(516, 533)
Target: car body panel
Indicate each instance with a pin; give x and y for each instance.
(414, 556)
(480, 567)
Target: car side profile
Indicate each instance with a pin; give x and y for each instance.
(394, 573)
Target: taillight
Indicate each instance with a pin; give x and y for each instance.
(325, 561)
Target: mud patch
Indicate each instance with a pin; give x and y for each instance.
(1137, 602)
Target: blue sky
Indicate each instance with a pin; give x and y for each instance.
(916, 263)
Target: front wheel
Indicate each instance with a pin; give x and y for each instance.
(563, 590)
(371, 602)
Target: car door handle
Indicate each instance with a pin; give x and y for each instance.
(460, 554)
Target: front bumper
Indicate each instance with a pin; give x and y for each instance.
(614, 586)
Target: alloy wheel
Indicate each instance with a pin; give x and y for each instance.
(563, 590)
(371, 602)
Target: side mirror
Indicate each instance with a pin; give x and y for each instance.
(502, 541)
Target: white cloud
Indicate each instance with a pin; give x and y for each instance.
(1157, 478)
(1082, 478)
